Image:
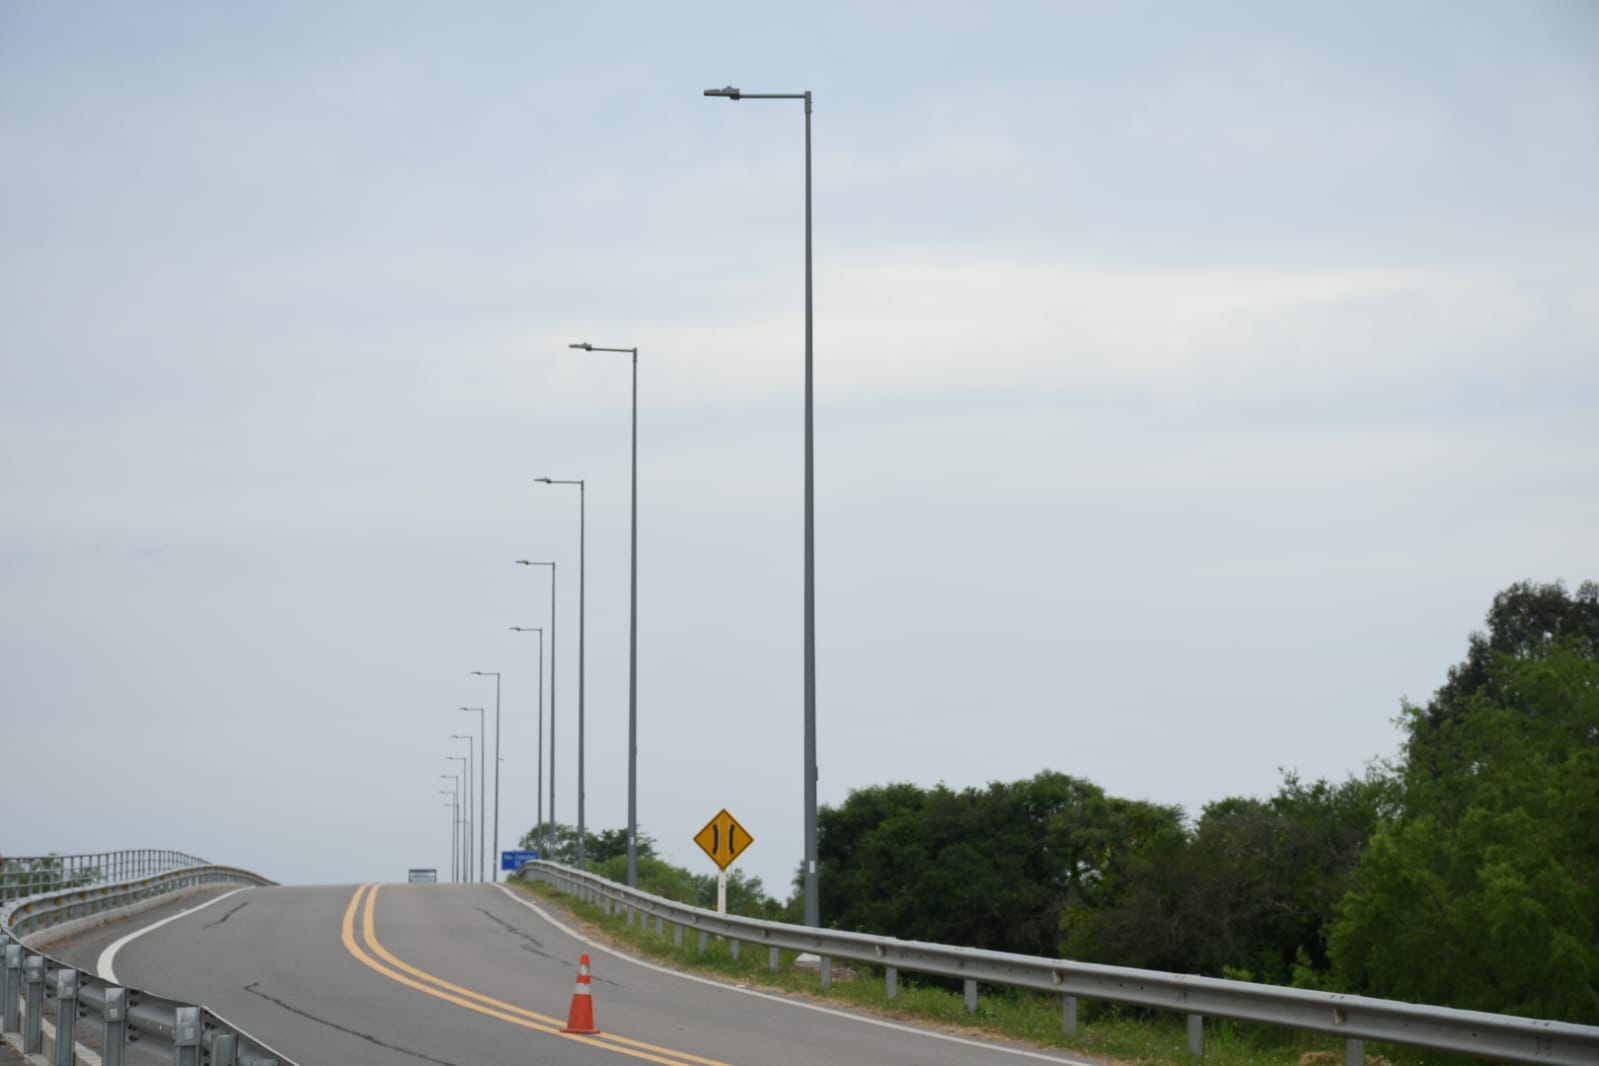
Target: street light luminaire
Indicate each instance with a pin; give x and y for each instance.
(729, 92)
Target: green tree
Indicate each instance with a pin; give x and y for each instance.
(745, 896)
(1484, 892)
(609, 843)
(1524, 621)
(999, 868)
(655, 876)
(597, 847)
(1248, 891)
(563, 842)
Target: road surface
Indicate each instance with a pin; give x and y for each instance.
(472, 975)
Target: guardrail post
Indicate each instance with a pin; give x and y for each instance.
(33, 1016)
(224, 1049)
(116, 1027)
(732, 948)
(826, 971)
(186, 1037)
(772, 959)
(1354, 1052)
(891, 982)
(66, 1017)
(971, 995)
(1068, 1015)
(677, 935)
(11, 983)
(660, 926)
(1196, 1035)
(702, 941)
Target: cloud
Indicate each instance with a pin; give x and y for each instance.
(900, 327)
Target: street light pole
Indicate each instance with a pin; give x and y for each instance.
(582, 641)
(632, 638)
(812, 905)
(494, 867)
(549, 831)
(482, 747)
(466, 822)
(475, 813)
(455, 826)
(539, 788)
(451, 806)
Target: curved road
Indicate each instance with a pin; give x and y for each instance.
(470, 975)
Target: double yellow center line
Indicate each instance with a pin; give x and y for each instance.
(365, 945)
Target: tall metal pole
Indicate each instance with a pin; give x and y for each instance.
(455, 825)
(549, 833)
(482, 804)
(539, 838)
(541, 732)
(453, 817)
(632, 640)
(582, 643)
(494, 856)
(475, 815)
(632, 661)
(812, 905)
(466, 840)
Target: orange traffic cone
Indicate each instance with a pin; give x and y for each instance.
(581, 1018)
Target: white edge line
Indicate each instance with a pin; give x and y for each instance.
(103, 966)
(867, 1019)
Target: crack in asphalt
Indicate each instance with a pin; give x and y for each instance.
(368, 1037)
(530, 943)
(229, 914)
(535, 946)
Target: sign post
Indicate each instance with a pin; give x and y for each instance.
(724, 840)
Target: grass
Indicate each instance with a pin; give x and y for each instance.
(1118, 1035)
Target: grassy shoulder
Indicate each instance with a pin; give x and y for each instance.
(1118, 1036)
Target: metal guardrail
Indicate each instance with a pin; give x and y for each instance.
(28, 978)
(1355, 1019)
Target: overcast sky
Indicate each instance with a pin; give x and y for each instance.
(1188, 380)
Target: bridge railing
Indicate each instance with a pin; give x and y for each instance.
(117, 1014)
(1355, 1019)
(30, 875)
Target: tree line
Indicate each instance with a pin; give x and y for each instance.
(1463, 873)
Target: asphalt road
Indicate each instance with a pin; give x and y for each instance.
(472, 975)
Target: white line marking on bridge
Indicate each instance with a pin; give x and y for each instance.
(108, 956)
(879, 1022)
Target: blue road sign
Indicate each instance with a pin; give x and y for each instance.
(513, 860)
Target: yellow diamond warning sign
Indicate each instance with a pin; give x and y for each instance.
(723, 839)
